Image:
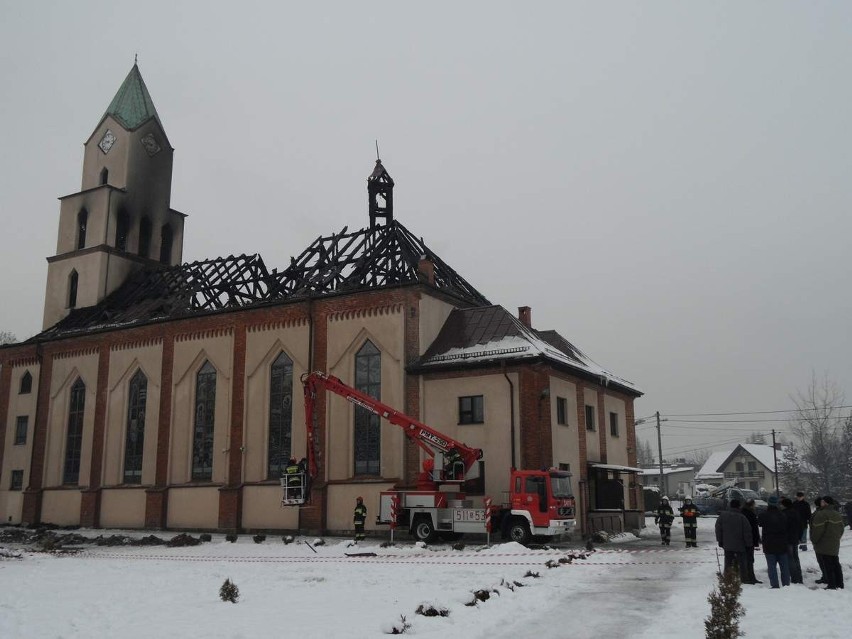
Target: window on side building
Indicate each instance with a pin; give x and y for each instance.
(590, 417)
(471, 409)
(561, 410)
(17, 482)
(21, 425)
(613, 424)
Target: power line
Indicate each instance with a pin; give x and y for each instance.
(757, 412)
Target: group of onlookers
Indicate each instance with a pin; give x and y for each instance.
(782, 531)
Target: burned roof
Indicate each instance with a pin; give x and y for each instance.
(487, 335)
(345, 262)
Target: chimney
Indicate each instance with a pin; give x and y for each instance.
(525, 315)
(426, 270)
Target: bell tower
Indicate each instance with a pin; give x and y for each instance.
(380, 194)
(121, 220)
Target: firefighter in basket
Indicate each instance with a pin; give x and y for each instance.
(664, 519)
(453, 464)
(294, 480)
(689, 512)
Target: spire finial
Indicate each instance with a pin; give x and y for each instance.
(378, 157)
(135, 58)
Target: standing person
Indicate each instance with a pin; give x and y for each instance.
(748, 511)
(821, 580)
(803, 509)
(733, 533)
(358, 518)
(826, 531)
(689, 512)
(664, 518)
(848, 509)
(775, 536)
(795, 534)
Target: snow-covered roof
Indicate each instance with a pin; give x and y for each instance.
(490, 334)
(710, 469)
(666, 471)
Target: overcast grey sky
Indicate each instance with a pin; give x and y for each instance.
(667, 184)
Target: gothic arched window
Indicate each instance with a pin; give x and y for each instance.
(26, 384)
(205, 410)
(74, 436)
(280, 415)
(73, 280)
(104, 176)
(166, 244)
(367, 435)
(122, 227)
(144, 236)
(134, 439)
(82, 222)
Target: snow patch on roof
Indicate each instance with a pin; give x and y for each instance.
(526, 345)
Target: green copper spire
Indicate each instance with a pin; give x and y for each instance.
(132, 105)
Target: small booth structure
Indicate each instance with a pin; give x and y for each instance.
(606, 492)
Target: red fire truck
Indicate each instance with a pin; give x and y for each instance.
(540, 502)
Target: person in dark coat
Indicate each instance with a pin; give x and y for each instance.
(664, 518)
(775, 535)
(795, 530)
(803, 509)
(821, 580)
(826, 531)
(848, 509)
(748, 511)
(733, 534)
(689, 512)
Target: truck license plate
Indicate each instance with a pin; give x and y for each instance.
(469, 514)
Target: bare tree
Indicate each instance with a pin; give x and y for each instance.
(756, 438)
(698, 457)
(644, 455)
(7, 337)
(817, 426)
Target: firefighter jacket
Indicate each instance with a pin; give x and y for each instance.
(826, 531)
(293, 478)
(664, 516)
(360, 515)
(689, 512)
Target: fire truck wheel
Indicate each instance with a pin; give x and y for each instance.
(519, 531)
(424, 530)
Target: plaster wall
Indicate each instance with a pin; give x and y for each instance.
(190, 354)
(124, 364)
(66, 370)
(347, 334)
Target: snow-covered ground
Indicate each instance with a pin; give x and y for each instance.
(630, 587)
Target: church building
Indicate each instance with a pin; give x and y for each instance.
(166, 395)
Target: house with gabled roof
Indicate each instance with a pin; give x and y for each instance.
(752, 466)
(163, 394)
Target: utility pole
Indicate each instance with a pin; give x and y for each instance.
(663, 488)
(775, 457)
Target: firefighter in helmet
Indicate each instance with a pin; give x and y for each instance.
(664, 518)
(359, 517)
(294, 480)
(689, 512)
